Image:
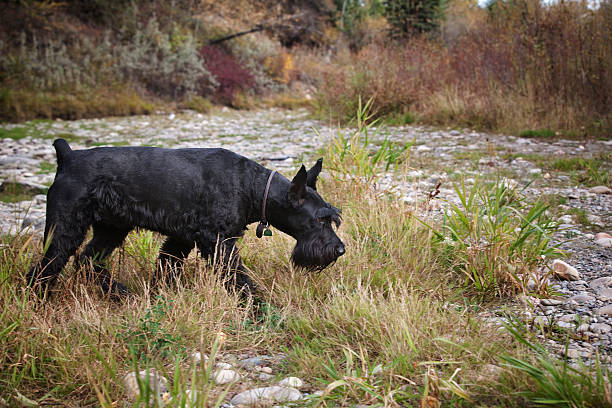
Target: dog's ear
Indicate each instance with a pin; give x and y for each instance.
(295, 195)
(313, 173)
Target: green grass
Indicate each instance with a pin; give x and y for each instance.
(46, 168)
(14, 192)
(540, 133)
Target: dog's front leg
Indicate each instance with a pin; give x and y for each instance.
(227, 259)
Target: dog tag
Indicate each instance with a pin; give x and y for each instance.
(268, 232)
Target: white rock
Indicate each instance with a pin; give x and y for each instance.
(564, 270)
(603, 239)
(197, 357)
(600, 190)
(266, 394)
(224, 376)
(294, 382)
(156, 382)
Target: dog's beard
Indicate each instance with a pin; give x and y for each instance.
(313, 256)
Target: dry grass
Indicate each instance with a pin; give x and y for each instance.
(385, 302)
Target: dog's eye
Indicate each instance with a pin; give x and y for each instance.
(324, 220)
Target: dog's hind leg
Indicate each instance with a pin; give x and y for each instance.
(105, 239)
(170, 259)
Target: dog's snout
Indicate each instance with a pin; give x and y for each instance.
(339, 250)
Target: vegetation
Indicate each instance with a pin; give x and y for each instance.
(520, 67)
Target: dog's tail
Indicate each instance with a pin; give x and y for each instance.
(62, 150)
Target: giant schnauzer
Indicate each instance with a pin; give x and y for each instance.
(203, 197)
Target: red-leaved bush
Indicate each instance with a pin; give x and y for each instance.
(230, 75)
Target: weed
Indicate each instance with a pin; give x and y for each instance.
(496, 239)
(558, 382)
(149, 337)
(354, 154)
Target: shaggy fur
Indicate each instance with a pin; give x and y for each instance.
(203, 197)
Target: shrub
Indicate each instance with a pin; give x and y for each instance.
(230, 76)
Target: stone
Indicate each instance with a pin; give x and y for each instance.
(252, 362)
(600, 328)
(600, 283)
(293, 382)
(157, 383)
(583, 328)
(603, 239)
(264, 377)
(605, 310)
(582, 298)
(565, 271)
(197, 357)
(266, 394)
(600, 190)
(551, 302)
(604, 294)
(224, 376)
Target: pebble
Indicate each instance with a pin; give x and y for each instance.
(603, 239)
(266, 394)
(600, 190)
(564, 270)
(294, 382)
(157, 383)
(225, 376)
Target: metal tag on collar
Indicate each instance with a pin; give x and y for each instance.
(263, 229)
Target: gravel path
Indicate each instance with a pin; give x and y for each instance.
(282, 139)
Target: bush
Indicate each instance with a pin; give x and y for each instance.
(230, 76)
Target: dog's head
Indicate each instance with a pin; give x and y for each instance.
(311, 221)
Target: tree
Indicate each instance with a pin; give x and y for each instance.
(409, 17)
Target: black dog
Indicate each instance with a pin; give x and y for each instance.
(194, 196)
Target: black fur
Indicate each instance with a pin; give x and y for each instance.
(203, 197)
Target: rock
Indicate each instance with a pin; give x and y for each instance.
(565, 271)
(600, 328)
(599, 283)
(252, 362)
(582, 298)
(294, 382)
(197, 357)
(604, 294)
(600, 190)
(603, 239)
(264, 377)
(583, 328)
(266, 394)
(573, 353)
(265, 369)
(156, 382)
(605, 310)
(224, 376)
(551, 302)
